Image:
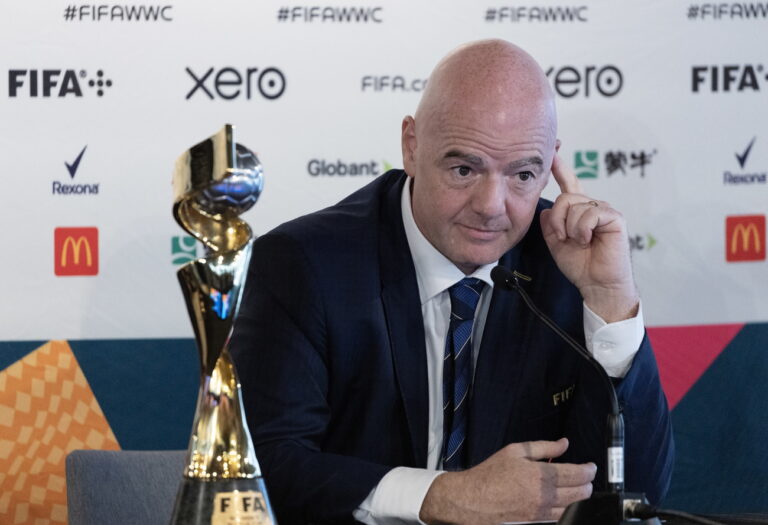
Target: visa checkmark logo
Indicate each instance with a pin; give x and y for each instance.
(72, 168)
(743, 157)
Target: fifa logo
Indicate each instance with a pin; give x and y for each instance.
(76, 251)
(745, 238)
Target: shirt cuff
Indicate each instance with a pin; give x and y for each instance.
(614, 345)
(397, 498)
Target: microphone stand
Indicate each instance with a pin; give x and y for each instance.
(603, 508)
(614, 507)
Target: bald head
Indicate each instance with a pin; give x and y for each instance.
(490, 77)
(479, 151)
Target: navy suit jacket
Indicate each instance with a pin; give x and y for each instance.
(329, 345)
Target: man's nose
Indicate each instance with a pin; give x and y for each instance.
(490, 196)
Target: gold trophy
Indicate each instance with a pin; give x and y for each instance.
(214, 182)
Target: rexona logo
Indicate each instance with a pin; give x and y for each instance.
(339, 168)
(745, 238)
(70, 188)
(741, 178)
(76, 251)
(59, 83)
(231, 83)
(586, 81)
(587, 162)
(724, 79)
(184, 249)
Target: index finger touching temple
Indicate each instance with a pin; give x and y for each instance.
(565, 177)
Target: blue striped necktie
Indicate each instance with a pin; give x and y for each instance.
(457, 371)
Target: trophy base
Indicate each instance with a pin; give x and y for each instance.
(222, 502)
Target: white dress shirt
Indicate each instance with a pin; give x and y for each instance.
(398, 497)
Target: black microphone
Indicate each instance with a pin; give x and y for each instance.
(508, 280)
(603, 508)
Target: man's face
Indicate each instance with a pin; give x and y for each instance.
(477, 179)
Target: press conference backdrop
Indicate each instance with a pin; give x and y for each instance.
(662, 109)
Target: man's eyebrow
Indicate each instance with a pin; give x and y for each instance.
(467, 157)
(538, 161)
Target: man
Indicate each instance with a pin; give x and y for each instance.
(350, 344)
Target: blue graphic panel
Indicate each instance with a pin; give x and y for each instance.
(147, 388)
(720, 430)
(12, 351)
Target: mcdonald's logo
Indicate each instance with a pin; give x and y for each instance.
(76, 251)
(745, 238)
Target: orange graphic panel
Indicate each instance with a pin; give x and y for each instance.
(47, 410)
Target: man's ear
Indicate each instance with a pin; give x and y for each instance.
(408, 144)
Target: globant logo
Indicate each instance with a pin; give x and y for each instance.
(578, 81)
(65, 188)
(339, 168)
(745, 177)
(392, 83)
(642, 243)
(727, 78)
(230, 83)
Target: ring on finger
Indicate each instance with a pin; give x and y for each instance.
(593, 203)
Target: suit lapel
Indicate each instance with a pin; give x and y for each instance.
(405, 326)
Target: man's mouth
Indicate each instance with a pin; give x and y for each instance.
(482, 233)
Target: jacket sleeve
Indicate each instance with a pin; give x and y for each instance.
(649, 447)
(648, 444)
(280, 349)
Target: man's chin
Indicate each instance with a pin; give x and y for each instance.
(469, 264)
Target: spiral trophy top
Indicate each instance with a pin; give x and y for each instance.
(213, 183)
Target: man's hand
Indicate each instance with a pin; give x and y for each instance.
(511, 485)
(589, 242)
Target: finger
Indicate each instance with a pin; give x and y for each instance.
(556, 219)
(581, 220)
(555, 514)
(566, 495)
(549, 514)
(544, 515)
(566, 178)
(574, 475)
(567, 211)
(584, 220)
(536, 450)
(553, 219)
(547, 229)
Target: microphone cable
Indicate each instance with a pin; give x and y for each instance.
(644, 511)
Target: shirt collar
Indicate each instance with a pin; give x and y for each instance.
(435, 273)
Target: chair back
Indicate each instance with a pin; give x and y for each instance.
(123, 486)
